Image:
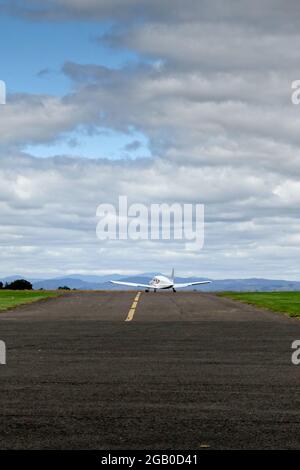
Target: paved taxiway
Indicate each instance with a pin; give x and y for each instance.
(185, 371)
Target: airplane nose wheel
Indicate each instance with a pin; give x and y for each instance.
(174, 290)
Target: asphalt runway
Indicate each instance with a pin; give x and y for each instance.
(108, 370)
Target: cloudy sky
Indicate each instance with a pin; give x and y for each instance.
(163, 101)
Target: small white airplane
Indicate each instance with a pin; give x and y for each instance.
(161, 282)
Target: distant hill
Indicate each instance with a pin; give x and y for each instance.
(52, 284)
(238, 285)
(250, 285)
(94, 282)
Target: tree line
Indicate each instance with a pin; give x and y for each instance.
(22, 284)
(18, 284)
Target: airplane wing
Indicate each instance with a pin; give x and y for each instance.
(188, 284)
(132, 284)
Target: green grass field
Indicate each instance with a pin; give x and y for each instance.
(12, 298)
(284, 302)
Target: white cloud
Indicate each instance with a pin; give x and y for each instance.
(214, 102)
(48, 216)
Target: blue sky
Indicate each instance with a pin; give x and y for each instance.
(32, 55)
(105, 144)
(29, 47)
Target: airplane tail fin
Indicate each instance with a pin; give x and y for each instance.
(173, 276)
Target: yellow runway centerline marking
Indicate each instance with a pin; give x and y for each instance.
(133, 307)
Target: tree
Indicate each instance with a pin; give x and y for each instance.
(64, 288)
(19, 284)
(1, 285)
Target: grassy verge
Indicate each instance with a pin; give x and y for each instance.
(284, 302)
(13, 298)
